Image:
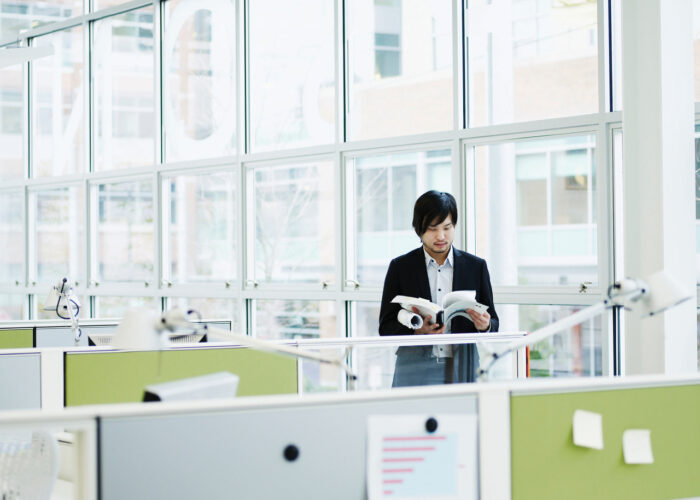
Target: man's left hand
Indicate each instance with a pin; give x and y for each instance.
(482, 321)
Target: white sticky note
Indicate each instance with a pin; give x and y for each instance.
(588, 429)
(636, 446)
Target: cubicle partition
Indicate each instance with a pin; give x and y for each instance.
(547, 465)
(120, 376)
(518, 442)
(20, 381)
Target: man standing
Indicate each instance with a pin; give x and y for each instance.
(430, 272)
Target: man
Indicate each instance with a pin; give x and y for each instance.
(430, 272)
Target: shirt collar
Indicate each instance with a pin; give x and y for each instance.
(448, 260)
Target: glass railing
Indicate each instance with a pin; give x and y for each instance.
(412, 360)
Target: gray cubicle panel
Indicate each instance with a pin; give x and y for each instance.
(20, 386)
(239, 453)
(62, 336)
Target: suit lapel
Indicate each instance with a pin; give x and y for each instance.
(458, 278)
(423, 285)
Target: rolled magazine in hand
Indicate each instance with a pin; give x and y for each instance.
(410, 319)
(452, 303)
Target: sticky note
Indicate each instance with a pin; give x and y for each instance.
(588, 429)
(636, 446)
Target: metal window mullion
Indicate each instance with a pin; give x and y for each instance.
(457, 47)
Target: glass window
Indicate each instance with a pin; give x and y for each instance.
(535, 211)
(293, 225)
(58, 94)
(576, 352)
(21, 15)
(697, 202)
(13, 307)
(212, 309)
(115, 307)
(59, 229)
(12, 237)
(400, 68)
(11, 122)
(199, 71)
(123, 248)
(696, 46)
(124, 126)
(294, 319)
(201, 226)
(531, 59)
(292, 79)
(385, 190)
(365, 319)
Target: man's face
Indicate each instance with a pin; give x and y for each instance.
(437, 239)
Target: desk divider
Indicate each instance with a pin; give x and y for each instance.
(120, 377)
(16, 338)
(547, 465)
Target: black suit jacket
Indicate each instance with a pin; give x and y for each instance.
(407, 275)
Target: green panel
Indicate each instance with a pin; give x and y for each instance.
(547, 465)
(120, 377)
(16, 339)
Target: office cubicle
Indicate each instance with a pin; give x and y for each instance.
(95, 375)
(547, 465)
(524, 449)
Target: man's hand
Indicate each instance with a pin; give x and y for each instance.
(482, 322)
(428, 328)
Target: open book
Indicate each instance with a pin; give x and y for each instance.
(452, 303)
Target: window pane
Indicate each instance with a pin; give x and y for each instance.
(400, 67)
(697, 202)
(59, 219)
(58, 93)
(124, 232)
(199, 68)
(12, 237)
(530, 60)
(201, 223)
(11, 122)
(575, 352)
(115, 307)
(13, 307)
(294, 223)
(696, 46)
(292, 83)
(211, 308)
(21, 15)
(123, 90)
(294, 319)
(386, 188)
(536, 222)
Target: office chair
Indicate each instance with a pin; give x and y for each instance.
(28, 465)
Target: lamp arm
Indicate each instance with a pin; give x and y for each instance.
(263, 345)
(546, 331)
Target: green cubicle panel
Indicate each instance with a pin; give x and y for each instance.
(16, 338)
(547, 465)
(120, 377)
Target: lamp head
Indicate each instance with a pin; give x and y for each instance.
(650, 296)
(140, 329)
(663, 292)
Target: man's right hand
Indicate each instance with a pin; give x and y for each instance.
(428, 328)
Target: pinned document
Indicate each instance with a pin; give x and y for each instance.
(422, 456)
(588, 429)
(636, 446)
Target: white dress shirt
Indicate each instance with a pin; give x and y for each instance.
(440, 282)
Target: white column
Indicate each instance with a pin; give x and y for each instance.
(659, 177)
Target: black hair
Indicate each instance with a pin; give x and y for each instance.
(433, 206)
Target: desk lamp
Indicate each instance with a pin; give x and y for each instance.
(66, 305)
(144, 329)
(658, 292)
